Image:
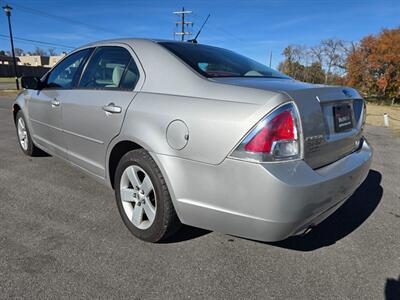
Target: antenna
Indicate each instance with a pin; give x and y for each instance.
(194, 41)
(182, 33)
(270, 59)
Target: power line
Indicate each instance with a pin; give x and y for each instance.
(59, 18)
(183, 23)
(220, 29)
(38, 42)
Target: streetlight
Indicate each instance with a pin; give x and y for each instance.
(7, 10)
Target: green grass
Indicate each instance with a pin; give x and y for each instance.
(375, 116)
(9, 93)
(7, 79)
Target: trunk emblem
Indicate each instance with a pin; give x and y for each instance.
(347, 93)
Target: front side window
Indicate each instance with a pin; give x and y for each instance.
(110, 68)
(218, 62)
(64, 74)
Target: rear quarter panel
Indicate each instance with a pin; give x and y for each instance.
(215, 126)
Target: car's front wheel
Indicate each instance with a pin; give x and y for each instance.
(143, 200)
(24, 136)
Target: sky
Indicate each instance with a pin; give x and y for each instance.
(254, 28)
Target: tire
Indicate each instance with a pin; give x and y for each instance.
(146, 208)
(27, 146)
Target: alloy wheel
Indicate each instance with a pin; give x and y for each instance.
(22, 134)
(138, 197)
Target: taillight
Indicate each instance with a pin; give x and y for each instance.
(276, 137)
(364, 115)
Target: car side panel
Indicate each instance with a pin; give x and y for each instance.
(215, 127)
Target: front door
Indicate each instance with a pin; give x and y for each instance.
(93, 112)
(45, 105)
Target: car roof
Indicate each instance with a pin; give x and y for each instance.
(128, 41)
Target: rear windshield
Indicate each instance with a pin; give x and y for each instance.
(217, 62)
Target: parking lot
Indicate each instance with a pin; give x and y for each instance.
(61, 237)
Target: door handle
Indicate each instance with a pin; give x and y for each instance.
(112, 108)
(55, 102)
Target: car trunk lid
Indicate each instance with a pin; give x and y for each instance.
(332, 122)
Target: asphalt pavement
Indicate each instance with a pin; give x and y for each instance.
(61, 238)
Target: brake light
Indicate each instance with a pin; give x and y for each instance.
(276, 137)
(279, 128)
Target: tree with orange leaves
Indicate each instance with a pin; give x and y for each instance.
(373, 66)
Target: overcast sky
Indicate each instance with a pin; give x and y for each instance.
(251, 27)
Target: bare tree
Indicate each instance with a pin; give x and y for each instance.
(327, 58)
(295, 53)
(18, 51)
(52, 51)
(334, 55)
(317, 54)
(39, 51)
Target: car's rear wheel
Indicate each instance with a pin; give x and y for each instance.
(24, 136)
(143, 200)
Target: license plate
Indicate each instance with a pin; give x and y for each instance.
(343, 119)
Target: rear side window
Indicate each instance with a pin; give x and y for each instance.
(64, 74)
(109, 68)
(131, 76)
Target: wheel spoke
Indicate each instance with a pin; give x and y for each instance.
(21, 123)
(22, 133)
(137, 215)
(132, 175)
(127, 195)
(146, 185)
(150, 210)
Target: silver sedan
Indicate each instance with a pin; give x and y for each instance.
(199, 135)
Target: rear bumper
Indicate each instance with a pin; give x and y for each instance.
(267, 202)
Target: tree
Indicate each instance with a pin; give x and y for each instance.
(322, 63)
(2, 52)
(18, 51)
(52, 51)
(315, 73)
(292, 65)
(39, 51)
(333, 53)
(374, 65)
(317, 53)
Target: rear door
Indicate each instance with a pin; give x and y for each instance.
(45, 106)
(93, 112)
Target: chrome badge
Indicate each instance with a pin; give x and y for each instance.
(347, 93)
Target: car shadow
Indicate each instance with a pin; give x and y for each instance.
(185, 233)
(41, 153)
(344, 221)
(392, 289)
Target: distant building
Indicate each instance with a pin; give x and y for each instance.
(39, 60)
(8, 60)
(34, 60)
(55, 59)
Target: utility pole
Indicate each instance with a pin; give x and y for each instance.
(182, 33)
(7, 10)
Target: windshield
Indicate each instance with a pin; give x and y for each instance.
(217, 62)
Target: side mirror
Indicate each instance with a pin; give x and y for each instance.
(31, 83)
